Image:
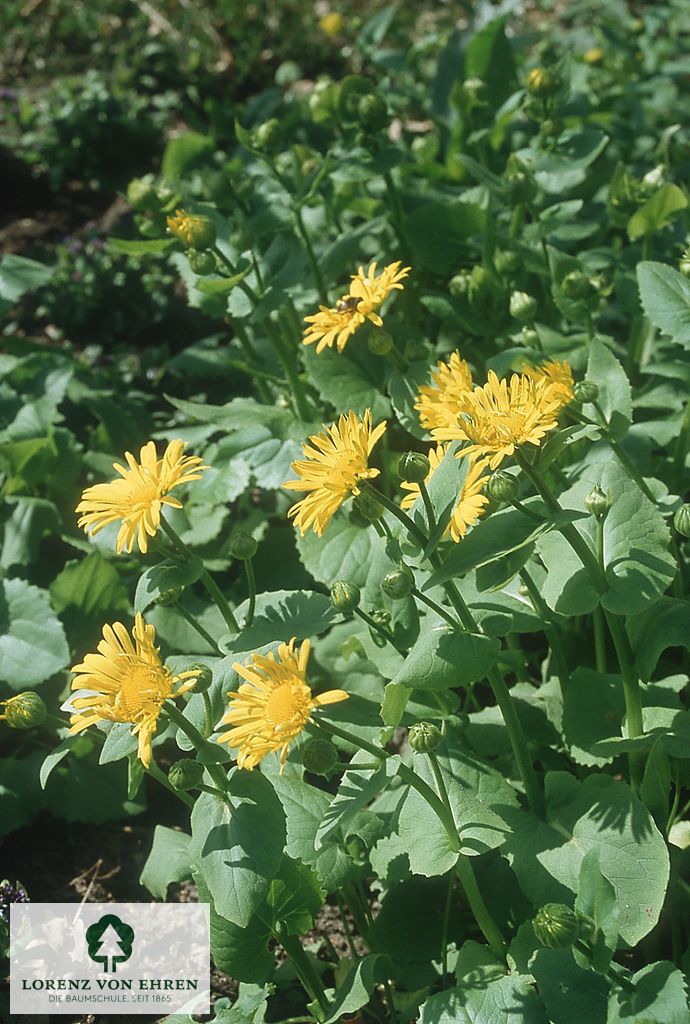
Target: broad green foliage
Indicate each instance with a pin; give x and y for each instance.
(457, 732)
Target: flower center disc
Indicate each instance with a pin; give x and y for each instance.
(286, 706)
(139, 687)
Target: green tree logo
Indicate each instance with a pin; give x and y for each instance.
(110, 939)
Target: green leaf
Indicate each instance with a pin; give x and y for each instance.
(489, 56)
(565, 166)
(20, 796)
(220, 285)
(615, 399)
(443, 658)
(241, 953)
(32, 641)
(657, 212)
(169, 861)
(639, 566)
(596, 899)
(439, 233)
(659, 994)
(237, 849)
(140, 246)
(666, 624)
(665, 298)
(282, 614)
(158, 579)
(409, 925)
(598, 814)
(52, 760)
(354, 992)
(570, 994)
(91, 587)
(505, 1000)
(593, 710)
(294, 897)
(19, 275)
(656, 782)
(349, 383)
(356, 790)
(120, 742)
(343, 553)
(30, 520)
(183, 152)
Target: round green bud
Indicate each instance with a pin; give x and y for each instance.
(506, 262)
(265, 135)
(372, 112)
(345, 596)
(142, 194)
(196, 231)
(242, 546)
(167, 598)
(185, 775)
(413, 467)
(353, 88)
(424, 737)
(684, 264)
(459, 285)
(204, 678)
(367, 505)
(380, 342)
(519, 187)
(502, 486)
(598, 503)
(556, 926)
(319, 756)
(24, 710)
(398, 583)
(529, 337)
(681, 520)
(586, 391)
(654, 179)
(543, 83)
(523, 307)
(577, 286)
(476, 91)
(202, 263)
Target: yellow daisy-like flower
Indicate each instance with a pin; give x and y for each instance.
(331, 23)
(471, 501)
(336, 459)
(501, 416)
(195, 231)
(138, 495)
(440, 403)
(274, 704)
(558, 374)
(335, 325)
(127, 683)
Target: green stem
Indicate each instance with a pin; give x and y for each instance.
(551, 631)
(305, 969)
(465, 873)
(401, 516)
(428, 507)
(599, 639)
(198, 627)
(334, 730)
(251, 586)
(631, 691)
(376, 626)
(398, 216)
(212, 587)
(200, 744)
(446, 923)
(681, 447)
(155, 772)
(440, 611)
(208, 714)
(396, 360)
(346, 926)
(311, 255)
(299, 395)
(259, 375)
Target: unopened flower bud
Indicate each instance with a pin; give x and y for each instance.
(577, 286)
(481, 287)
(586, 391)
(543, 83)
(195, 231)
(367, 505)
(202, 263)
(24, 710)
(506, 261)
(398, 583)
(380, 342)
(593, 56)
(502, 486)
(242, 546)
(372, 112)
(598, 503)
(204, 678)
(529, 337)
(424, 737)
(185, 775)
(169, 597)
(556, 926)
(345, 596)
(141, 193)
(413, 467)
(523, 306)
(459, 285)
(681, 520)
(684, 264)
(265, 135)
(476, 91)
(654, 179)
(319, 756)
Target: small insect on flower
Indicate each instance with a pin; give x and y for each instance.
(440, 403)
(472, 500)
(336, 460)
(273, 706)
(137, 497)
(502, 415)
(335, 325)
(126, 681)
